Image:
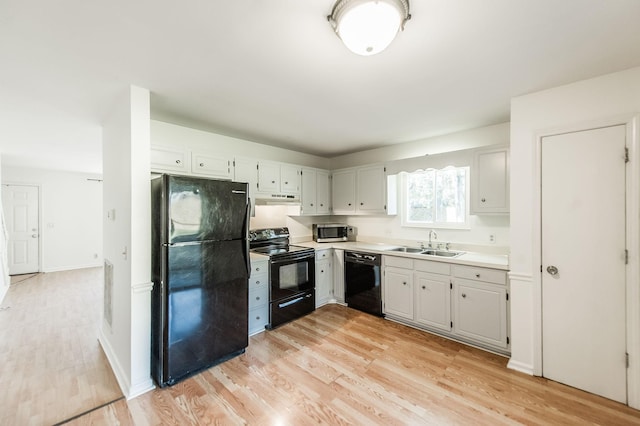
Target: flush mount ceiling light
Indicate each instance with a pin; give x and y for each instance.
(367, 27)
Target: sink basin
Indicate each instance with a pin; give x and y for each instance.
(407, 249)
(443, 253)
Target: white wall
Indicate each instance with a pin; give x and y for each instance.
(578, 105)
(172, 135)
(4, 270)
(483, 136)
(390, 228)
(126, 197)
(387, 227)
(70, 216)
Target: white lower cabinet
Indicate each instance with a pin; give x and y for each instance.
(463, 302)
(433, 300)
(258, 296)
(324, 277)
(398, 292)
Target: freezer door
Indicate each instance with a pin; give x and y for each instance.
(206, 307)
(205, 209)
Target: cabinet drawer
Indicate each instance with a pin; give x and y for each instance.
(480, 274)
(259, 268)
(323, 254)
(258, 318)
(258, 280)
(398, 262)
(258, 296)
(433, 267)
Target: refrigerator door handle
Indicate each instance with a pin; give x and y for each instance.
(246, 237)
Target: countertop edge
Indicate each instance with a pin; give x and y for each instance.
(493, 261)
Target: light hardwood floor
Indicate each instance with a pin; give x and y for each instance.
(340, 366)
(51, 364)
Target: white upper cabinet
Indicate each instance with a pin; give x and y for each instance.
(217, 166)
(360, 190)
(344, 191)
(323, 192)
(169, 159)
(370, 189)
(246, 170)
(315, 192)
(278, 178)
(490, 182)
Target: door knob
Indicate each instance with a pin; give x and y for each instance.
(552, 270)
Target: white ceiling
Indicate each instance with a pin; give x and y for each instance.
(274, 72)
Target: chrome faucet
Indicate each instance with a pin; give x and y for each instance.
(435, 237)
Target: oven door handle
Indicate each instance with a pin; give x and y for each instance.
(294, 301)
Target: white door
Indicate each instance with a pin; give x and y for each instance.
(583, 260)
(20, 204)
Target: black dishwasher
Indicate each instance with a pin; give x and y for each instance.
(362, 282)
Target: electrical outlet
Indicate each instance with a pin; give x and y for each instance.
(492, 238)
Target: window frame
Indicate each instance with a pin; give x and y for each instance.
(403, 210)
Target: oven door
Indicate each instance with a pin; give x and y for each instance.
(292, 274)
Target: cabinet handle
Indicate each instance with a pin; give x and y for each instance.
(321, 205)
(311, 204)
(257, 282)
(257, 297)
(477, 275)
(286, 183)
(404, 283)
(273, 181)
(257, 318)
(464, 295)
(178, 161)
(257, 269)
(483, 200)
(322, 271)
(362, 204)
(349, 203)
(424, 288)
(201, 164)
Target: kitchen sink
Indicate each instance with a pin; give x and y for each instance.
(443, 253)
(407, 249)
(428, 252)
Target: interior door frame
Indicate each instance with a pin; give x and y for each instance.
(632, 122)
(40, 219)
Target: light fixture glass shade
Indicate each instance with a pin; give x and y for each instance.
(367, 27)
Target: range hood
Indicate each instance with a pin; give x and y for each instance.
(277, 200)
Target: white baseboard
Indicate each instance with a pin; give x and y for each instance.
(118, 371)
(69, 268)
(521, 367)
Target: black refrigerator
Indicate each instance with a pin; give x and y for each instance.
(200, 270)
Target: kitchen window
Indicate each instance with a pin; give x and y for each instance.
(436, 198)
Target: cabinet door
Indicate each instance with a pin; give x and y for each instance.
(246, 170)
(490, 182)
(309, 195)
(370, 189)
(344, 192)
(338, 275)
(480, 312)
(324, 281)
(211, 165)
(290, 179)
(268, 177)
(323, 193)
(398, 292)
(169, 159)
(433, 300)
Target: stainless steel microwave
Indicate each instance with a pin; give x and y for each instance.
(333, 232)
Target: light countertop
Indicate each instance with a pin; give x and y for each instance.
(485, 260)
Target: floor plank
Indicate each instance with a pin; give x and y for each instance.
(51, 364)
(340, 366)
